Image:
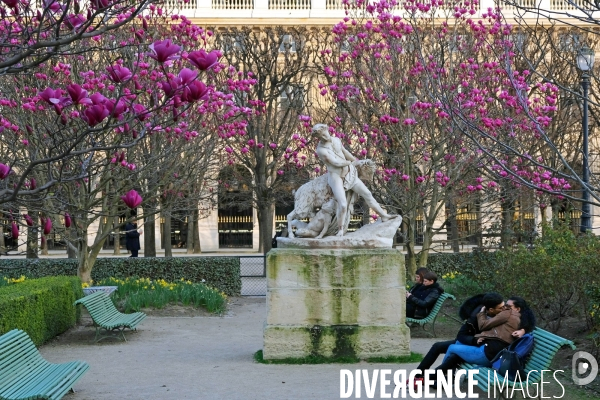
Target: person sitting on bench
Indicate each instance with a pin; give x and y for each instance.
(420, 303)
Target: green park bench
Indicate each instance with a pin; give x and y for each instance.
(432, 315)
(545, 347)
(25, 374)
(106, 316)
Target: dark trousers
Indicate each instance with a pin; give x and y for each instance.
(433, 353)
(134, 253)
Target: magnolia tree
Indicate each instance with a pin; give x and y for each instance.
(270, 147)
(438, 102)
(96, 126)
(33, 32)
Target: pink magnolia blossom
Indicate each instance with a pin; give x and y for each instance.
(203, 60)
(4, 171)
(67, 220)
(141, 112)
(195, 91)
(11, 3)
(55, 98)
(100, 4)
(118, 73)
(47, 226)
(164, 50)
(78, 95)
(14, 229)
(116, 108)
(53, 5)
(28, 219)
(95, 114)
(32, 184)
(75, 21)
(170, 87)
(132, 199)
(98, 98)
(187, 76)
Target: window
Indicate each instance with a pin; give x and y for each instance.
(291, 96)
(518, 39)
(287, 44)
(569, 42)
(232, 43)
(346, 44)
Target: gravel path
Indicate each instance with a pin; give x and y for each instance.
(200, 357)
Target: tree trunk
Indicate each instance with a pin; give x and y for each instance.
(72, 239)
(44, 245)
(265, 225)
(116, 236)
(149, 235)
(452, 225)
(189, 236)
(2, 244)
(427, 238)
(87, 257)
(411, 267)
(197, 244)
(167, 236)
(507, 232)
(84, 269)
(32, 242)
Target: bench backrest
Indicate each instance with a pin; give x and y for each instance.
(440, 302)
(97, 303)
(436, 308)
(545, 346)
(17, 353)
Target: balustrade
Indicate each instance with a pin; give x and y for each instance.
(289, 4)
(233, 4)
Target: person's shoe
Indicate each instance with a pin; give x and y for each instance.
(422, 380)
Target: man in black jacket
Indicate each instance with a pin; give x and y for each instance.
(420, 303)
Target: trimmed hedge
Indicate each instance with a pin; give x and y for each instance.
(222, 273)
(41, 307)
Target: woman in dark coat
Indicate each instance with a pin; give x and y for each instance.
(423, 300)
(132, 238)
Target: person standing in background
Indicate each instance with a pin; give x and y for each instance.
(132, 237)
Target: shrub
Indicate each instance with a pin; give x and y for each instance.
(463, 286)
(552, 276)
(476, 265)
(222, 273)
(41, 307)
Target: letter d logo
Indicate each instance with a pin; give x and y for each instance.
(582, 364)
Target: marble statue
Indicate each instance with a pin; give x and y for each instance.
(343, 176)
(318, 225)
(328, 200)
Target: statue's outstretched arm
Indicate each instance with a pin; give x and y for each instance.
(348, 155)
(330, 158)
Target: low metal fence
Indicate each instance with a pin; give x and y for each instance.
(254, 275)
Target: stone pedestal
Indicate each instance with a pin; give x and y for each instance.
(335, 303)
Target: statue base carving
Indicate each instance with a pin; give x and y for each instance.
(335, 303)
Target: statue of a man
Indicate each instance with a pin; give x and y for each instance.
(342, 175)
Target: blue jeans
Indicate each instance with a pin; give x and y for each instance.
(471, 354)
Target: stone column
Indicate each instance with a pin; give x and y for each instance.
(335, 303)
